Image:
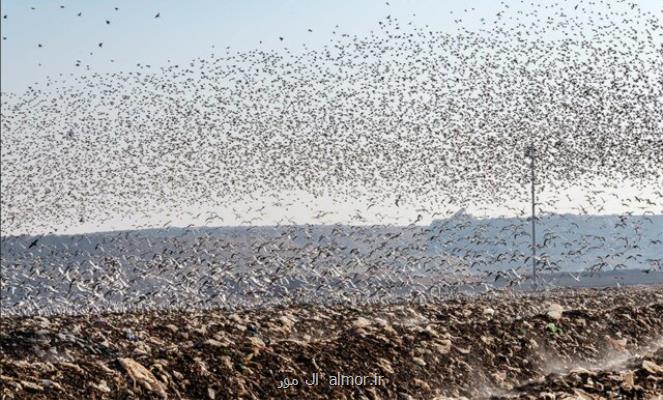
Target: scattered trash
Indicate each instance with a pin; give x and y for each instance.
(474, 347)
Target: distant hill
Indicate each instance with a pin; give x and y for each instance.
(222, 266)
(569, 242)
(565, 242)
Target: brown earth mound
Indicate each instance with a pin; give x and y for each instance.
(501, 346)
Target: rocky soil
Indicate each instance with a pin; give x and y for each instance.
(564, 344)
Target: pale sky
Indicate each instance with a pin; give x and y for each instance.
(185, 30)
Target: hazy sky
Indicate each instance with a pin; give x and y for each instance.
(186, 30)
(183, 31)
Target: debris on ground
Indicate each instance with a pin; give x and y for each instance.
(561, 344)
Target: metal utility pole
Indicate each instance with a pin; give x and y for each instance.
(531, 153)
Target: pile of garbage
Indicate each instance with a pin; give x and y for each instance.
(639, 378)
(586, 342)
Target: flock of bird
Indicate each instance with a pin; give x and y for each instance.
(406, 117)
(261, 266)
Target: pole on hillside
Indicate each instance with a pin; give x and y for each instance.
(531, 153)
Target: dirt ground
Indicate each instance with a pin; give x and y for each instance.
(563, 344)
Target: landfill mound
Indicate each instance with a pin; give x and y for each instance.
(596, 343)
(639, 378)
